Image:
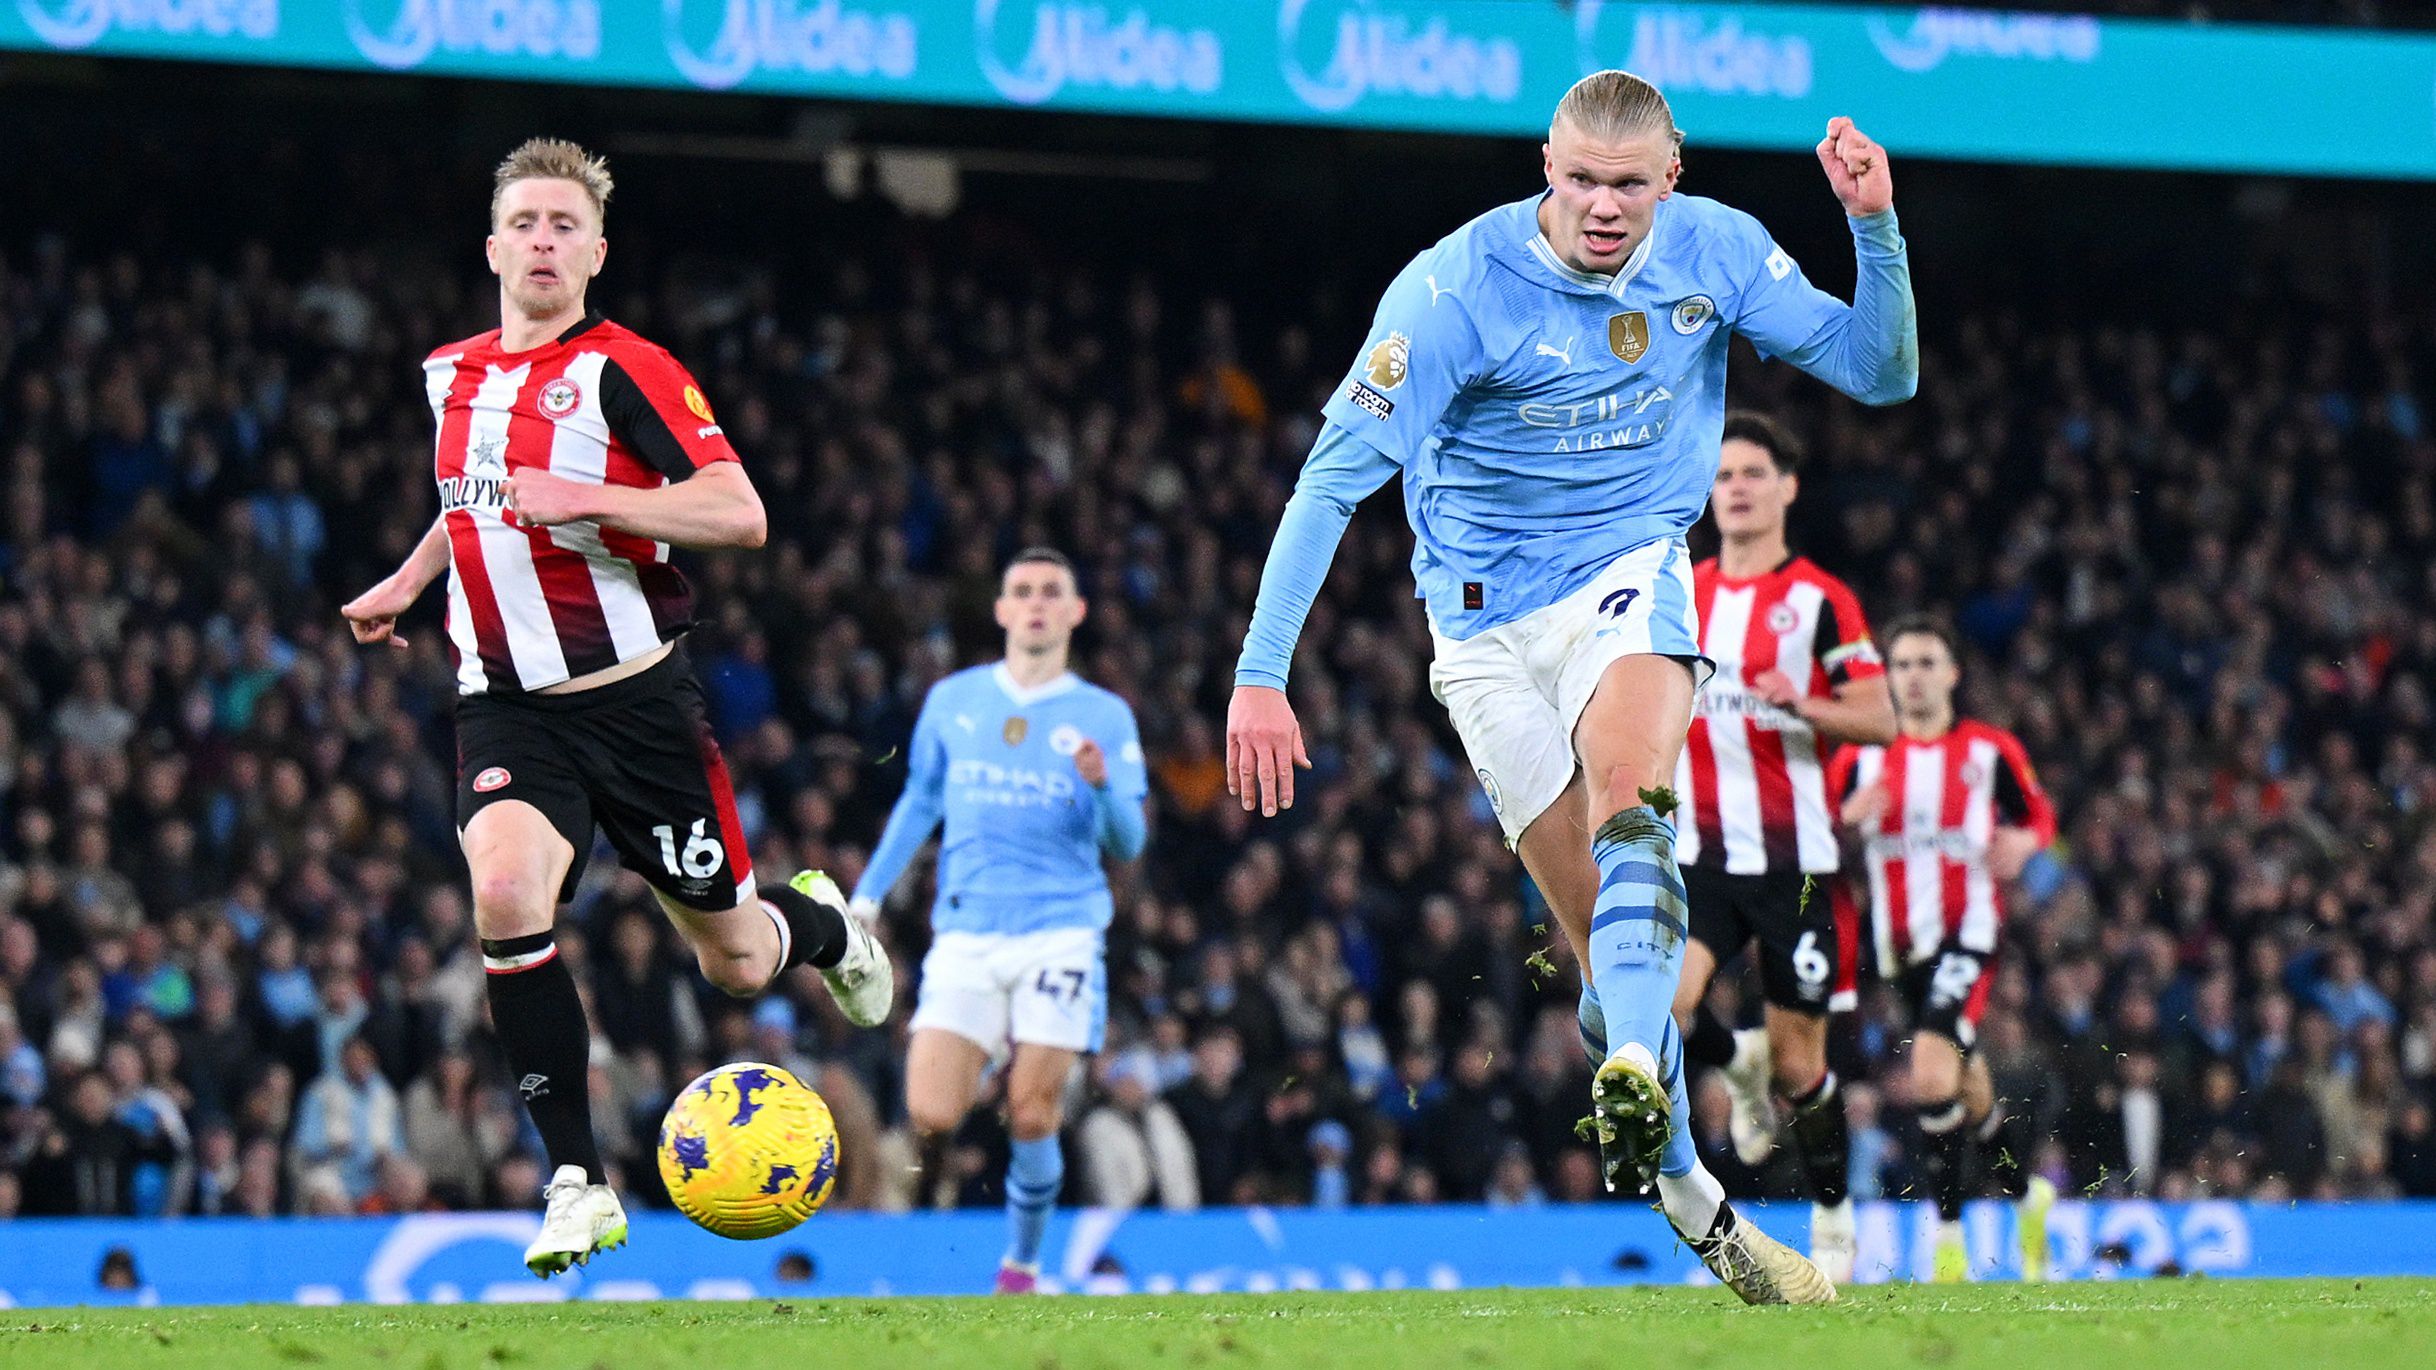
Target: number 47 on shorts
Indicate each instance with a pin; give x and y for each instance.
(1064, 986)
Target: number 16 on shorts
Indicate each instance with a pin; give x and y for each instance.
(702, 854)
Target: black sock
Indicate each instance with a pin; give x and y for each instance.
(1822, 1140)
(540, 1022)
(816, 932)
(1946, 1142)
(1710, 1042)
(1996, 1153)
(930, 1151)
(1720, 1227)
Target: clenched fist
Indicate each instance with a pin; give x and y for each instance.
(541, 500)
(1856, 169)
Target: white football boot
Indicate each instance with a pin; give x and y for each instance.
(1746, 1079)
(1759, 1268)
(1833, 1242)
(579, 1220)
(863, 982)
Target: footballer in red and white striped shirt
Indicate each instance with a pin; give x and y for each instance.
(1945, 814)
(572, 456)
(533, 605)
(1796, 675)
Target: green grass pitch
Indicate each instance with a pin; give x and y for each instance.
(2131, 1325)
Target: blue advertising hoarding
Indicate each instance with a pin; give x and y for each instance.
(1971, 84)
(474, 1257)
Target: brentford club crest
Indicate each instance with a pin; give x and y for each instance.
(490, 780)
(1782, 619)
(559, 398)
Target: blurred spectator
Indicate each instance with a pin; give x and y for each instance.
(347, 1123)
(454, 1131)
(83, 1162)
(400, 1186)
(1134, 1147)
(1215, 1106)
(118, 1274)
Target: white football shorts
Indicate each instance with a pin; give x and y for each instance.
(996, 989)
(1516, 690)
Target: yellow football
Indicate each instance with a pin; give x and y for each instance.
(748, 1151)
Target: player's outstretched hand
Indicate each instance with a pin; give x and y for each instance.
(1856, 168)
(2010, 849)
(1091, 763)
(1777, 688)
(541, 500)
(373, 615)
(1263, 746)
(1866, 806)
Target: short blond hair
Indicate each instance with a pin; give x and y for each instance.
(554, 159)
(1613, 106)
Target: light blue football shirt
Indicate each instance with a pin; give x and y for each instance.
(1024, 834)
(1547, 420)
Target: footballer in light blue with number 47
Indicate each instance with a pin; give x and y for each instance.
(1038, 776)
(1550, 380)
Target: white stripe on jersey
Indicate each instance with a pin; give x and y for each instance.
(507, 552)
(1868, 770)
(1978, 930)
(1739, 825)
(579, 451)
(470, 677)
(1923, 801)
(439, 377)
(1813, 828)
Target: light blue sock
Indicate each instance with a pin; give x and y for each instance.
(1637, 927)
(1681, 1155)
(1035, 1173)
(1593, 1023)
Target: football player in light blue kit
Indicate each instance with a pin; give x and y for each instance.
(1550, 381)
(1038, 776)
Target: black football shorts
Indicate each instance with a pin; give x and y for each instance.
(636, 757)
(1796, 934)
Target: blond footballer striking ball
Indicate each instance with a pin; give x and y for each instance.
(748, 1151)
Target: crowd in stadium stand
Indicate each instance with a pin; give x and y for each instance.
(2195, 571)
